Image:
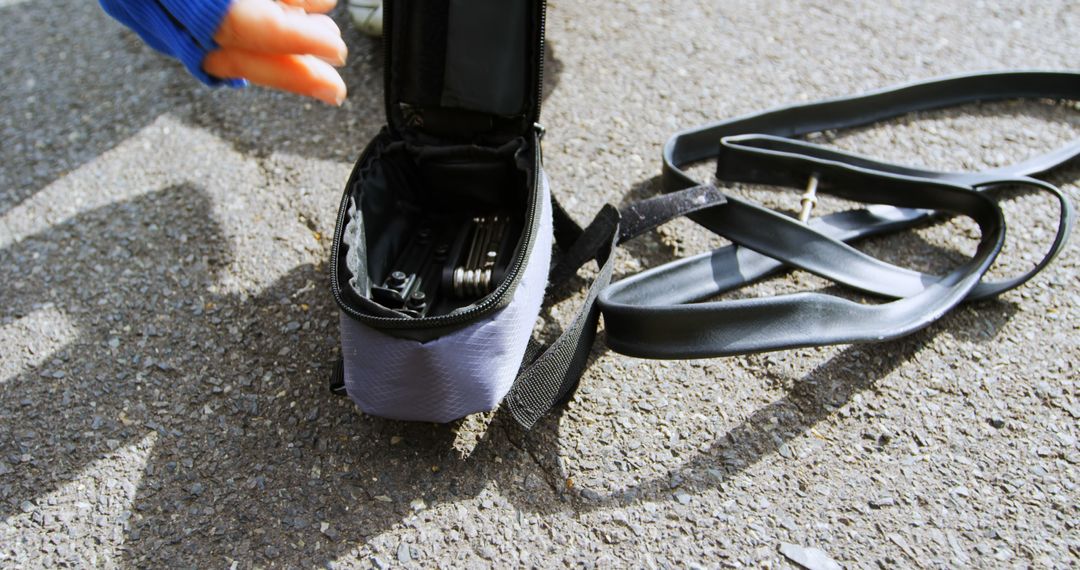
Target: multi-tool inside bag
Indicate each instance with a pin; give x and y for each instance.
(444, 265)
(440, 241)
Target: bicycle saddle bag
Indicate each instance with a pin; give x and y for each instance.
(443, 239)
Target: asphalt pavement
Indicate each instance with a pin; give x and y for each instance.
(166, 328)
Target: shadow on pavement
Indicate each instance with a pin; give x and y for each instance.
(252, 455)
(70, 96)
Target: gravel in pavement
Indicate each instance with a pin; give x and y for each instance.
(166, 331)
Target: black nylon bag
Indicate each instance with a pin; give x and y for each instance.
(443, 239)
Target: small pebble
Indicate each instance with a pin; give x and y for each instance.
(809, 558)
(882, 502)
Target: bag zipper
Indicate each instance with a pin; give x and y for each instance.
(542, 41)
(485, 306)
(388, 45)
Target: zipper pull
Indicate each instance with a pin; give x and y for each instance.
(414, 117)
(540, 132)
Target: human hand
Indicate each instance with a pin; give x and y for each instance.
(290, 45)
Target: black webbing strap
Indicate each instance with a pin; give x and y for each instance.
(545, 380)
(647, 315)
(566, 230)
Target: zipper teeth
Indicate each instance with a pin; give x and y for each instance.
(543, 58)
(388, 46)
(339, 229)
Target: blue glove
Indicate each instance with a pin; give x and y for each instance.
(183, 29)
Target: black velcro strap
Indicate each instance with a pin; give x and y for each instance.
(566, 230)
(337, 378)
(546, 381)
